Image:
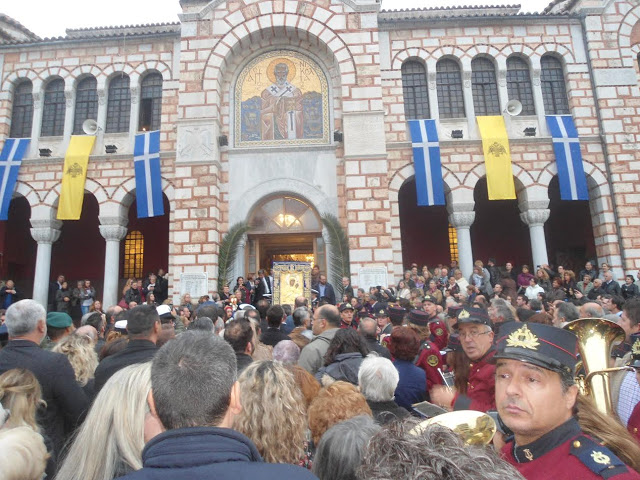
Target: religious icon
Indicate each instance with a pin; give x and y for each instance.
(291, 280)
(281, 98)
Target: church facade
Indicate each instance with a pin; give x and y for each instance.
(277, 112)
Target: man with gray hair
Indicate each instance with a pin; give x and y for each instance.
(378, 379)
(65, 400)
(367, 329)
(287, 352)
(564, 313)
(195, 397)
(500, 312)
(591, 310)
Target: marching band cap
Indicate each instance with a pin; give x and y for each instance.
(473, 315)
(59, 320)
(397, 313)
(429, 298)
(419, 317)
(635, 350)
(364, 314)
(346, 306)
(546, 346)
(454, 344)
(454, 311)
(382, 312)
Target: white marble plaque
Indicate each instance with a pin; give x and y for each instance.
(195, 284)
(372, 277)
(364, 134)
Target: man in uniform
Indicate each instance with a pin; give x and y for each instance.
(439, 334)
(536, 398)
(384, 323)
(476, 337)
(346, 313)
(429, 357)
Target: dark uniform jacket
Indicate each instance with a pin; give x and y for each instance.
(272, 336)
(66, 401)
(481, 388)
(430, 360)
(136, 351)
(209, 452)
(566, 453)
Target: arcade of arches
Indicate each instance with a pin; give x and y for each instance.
(498, 230)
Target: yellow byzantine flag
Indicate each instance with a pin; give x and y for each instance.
(74, 176)
(497, 158)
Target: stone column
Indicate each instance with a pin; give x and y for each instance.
(535, 218)
(69, 116)
(45, 232)
(113, 230)
(135, 113)
(36, 123)
(462, 221)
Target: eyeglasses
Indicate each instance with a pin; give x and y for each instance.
(473, 335)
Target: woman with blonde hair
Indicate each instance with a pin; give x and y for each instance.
(24, 454)
(20, 393)
(80, 351)
(276, 428)
(110, 441)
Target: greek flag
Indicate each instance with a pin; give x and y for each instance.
(146, 157)
(10, 160)
(426, 160)
(566, 145)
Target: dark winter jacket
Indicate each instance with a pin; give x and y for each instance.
(344, 368)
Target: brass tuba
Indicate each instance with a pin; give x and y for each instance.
(596, 337)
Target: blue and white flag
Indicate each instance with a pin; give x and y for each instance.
(146, 156)
(566, 145)
(426, 161)
(10, 160)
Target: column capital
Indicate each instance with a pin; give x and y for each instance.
(46, 231)
(462, 219)
(113, 228)
(535, 216)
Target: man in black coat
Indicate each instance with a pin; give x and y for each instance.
(143, 327)
(367, 329)
(263, 288)
(610, 286)
(325, 289)
(66, 402)
(239, 334)
(273, 334)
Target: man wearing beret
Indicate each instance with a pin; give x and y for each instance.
(536, 398)
(59, 326)
(476, 337)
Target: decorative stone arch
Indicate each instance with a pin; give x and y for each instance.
(451, 52)
(487, 51)
(626, 35)
(242, 208)
(123, 197)
(14, 78)
(404, 174)
(233, 42)
(83, 71)
(559, 51)
(409, 54)
(110, 71)
(27, 191)
(154, 65)
(524, 52)
(522, 178)
(90, 186)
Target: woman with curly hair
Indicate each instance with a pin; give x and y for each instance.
(343, 358)
(79, 349)
(110, 441)
(277, 428)
(336, 403)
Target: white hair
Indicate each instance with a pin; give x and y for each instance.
(286, 352)
(22, 317)
(27, 452)
(378, 379)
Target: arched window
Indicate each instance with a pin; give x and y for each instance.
(449, 83)
(519, 84)
(134, 255)
(118, 105)
(415, 91)
(150, 102)
(484, 87)
(22, 113)
(453, 244)
(54, 109)
(284, 215)
(554, 90)
(86, 103)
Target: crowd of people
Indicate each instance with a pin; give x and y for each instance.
(336, 386)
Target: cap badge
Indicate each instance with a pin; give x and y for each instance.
(464, 314)
(600, 458)
(439, 332)
(635, 350)
(528, 454)
(523, 338)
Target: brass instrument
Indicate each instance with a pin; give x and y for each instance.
(596, 337)
(475, 428)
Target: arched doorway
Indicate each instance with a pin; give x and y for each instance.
(17, 247)
(569, 231)
(284, 228)
(498, 232)
(426, 235)
(79, 252)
